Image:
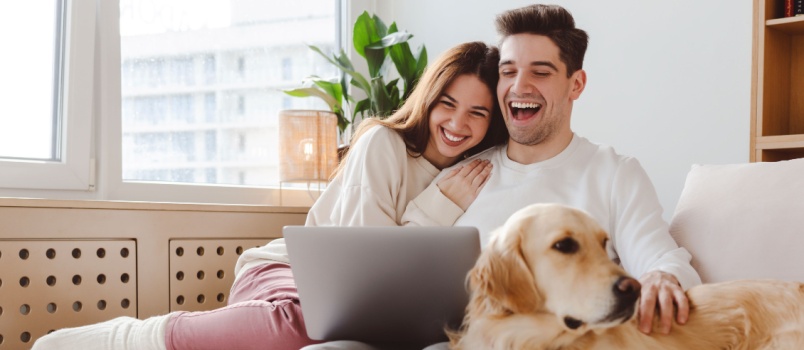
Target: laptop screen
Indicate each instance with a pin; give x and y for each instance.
(382, 284)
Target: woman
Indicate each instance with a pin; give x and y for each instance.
(451, 114)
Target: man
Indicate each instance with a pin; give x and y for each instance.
(541, 75)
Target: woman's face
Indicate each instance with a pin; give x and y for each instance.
(459, 120)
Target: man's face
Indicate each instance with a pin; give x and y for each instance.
(534, 92)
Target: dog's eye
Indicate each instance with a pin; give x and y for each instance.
(566, 246)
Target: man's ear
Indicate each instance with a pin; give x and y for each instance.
(578, 81)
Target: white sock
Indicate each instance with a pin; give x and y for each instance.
(122, 333)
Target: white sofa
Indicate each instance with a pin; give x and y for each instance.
(743, 221)
(739, 221)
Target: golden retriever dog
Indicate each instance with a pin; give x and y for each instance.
(545, 282)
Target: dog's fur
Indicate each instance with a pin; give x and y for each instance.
(532, 288)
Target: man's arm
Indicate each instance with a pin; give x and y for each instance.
(646, 249)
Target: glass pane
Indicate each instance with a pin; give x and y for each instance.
(28, 70)
(202, 81)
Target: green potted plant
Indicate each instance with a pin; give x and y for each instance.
(376, 43)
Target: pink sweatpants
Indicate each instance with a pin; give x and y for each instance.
(263, 313)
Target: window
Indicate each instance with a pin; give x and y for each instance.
(206, 71)
(29, 126)
(177, 100)
(45, 124)
(200, 94)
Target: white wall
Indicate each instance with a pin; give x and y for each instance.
(669, 82)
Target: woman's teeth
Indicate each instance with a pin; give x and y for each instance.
(451, 137)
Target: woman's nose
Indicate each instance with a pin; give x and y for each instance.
(457, 120)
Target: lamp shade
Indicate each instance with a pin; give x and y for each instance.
(308, 145)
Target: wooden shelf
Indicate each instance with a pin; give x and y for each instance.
(777, 84)
(781, 142)
(792, 25)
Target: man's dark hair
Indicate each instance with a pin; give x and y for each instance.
(552, 21)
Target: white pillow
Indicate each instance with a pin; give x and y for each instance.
(743, 221)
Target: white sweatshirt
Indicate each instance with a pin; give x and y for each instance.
(613, 189)
(373, 189)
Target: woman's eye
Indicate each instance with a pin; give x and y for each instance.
(448, 103)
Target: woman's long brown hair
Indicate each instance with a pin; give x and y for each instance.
(412, 120)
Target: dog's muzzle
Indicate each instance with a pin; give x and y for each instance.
(626, 292)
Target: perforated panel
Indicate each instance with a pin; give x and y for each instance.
(202, 271)
(47, 285)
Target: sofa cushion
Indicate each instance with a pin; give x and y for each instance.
(743, 221)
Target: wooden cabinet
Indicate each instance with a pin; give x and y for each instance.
(777, 84)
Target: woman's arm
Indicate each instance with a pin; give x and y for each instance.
(367, 190)
(449, 195)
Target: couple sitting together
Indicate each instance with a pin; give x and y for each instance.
(485, 133)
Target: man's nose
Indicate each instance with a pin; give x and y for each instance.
(521, 85)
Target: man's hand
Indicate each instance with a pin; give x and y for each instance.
(463, 184)
(661, 291)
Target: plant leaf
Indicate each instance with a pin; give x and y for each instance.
(381, 28)
(361, 107)
(364, 33)
(314, 92)
(393, 95)
(343, 123)
(421, 64)
(390, 40)
(343, 63)
(332, 88)
(375, 58)
(405, 64)
(421, 60)
(381, 102)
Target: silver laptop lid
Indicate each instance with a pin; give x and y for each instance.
(382, 284)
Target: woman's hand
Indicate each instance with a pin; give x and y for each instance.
(463, 184)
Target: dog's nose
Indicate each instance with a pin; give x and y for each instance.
(627, 288)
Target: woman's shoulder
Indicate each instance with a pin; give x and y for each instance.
(379, 135)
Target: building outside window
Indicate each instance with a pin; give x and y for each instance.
(201, 85)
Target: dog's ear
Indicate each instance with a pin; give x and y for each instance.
(501, 281)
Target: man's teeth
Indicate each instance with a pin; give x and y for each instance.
(453, 138)
(525, 105)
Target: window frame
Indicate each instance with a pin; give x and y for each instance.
(75, 170)
(111, 139)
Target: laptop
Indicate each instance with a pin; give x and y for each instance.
(382, 285)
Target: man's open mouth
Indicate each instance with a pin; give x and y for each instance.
(524, 110)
